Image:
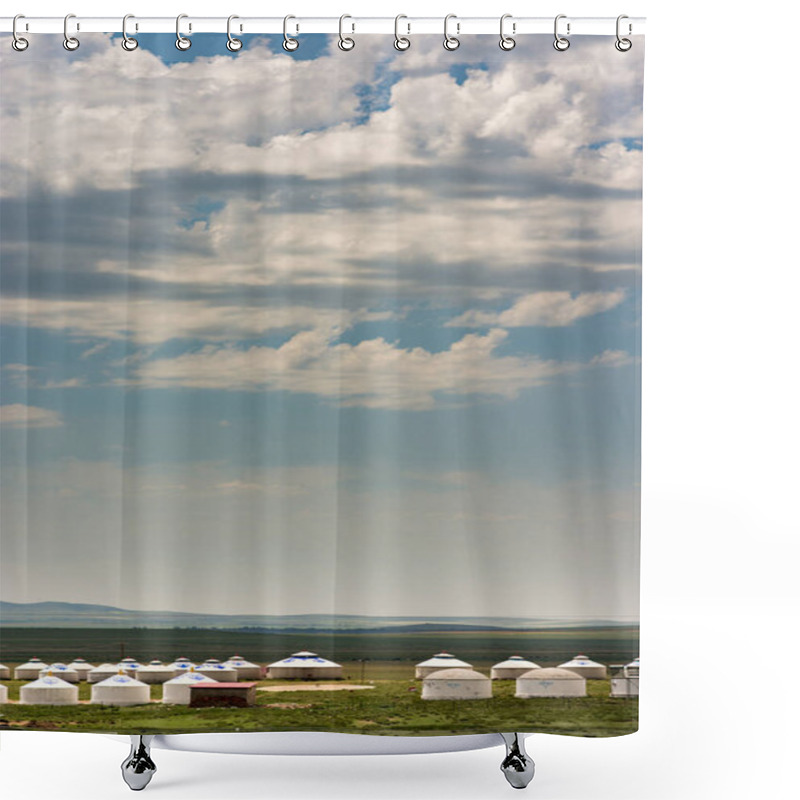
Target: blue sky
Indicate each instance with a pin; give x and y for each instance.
(348, 312)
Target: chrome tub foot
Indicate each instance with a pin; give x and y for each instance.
(517, 766)
(138, 768)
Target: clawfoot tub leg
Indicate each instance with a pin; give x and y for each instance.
(138, 768)
(517, 766)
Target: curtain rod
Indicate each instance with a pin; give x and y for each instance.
(591, 26)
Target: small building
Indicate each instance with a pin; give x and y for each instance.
(61, 671)
(584, 666)
(456, 684)
(120, 690)
(439, 661)
(512, 668)
(82, 667)
(101, 672)
(177, 691)
(29, 671)
(305, 666)
(219, 672)
(129, 666)
(625, 683)
(5, 673)
(245, 670)
(551, 682)
(241, 694)
(49, 691)
(154, 672)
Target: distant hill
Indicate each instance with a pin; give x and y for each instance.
(81, 615)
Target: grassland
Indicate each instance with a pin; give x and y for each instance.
(393, 707)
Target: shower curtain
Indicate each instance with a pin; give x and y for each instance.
(327, 360)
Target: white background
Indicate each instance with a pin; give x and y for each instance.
(720, 599)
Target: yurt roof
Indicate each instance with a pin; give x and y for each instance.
(191, 677)
(240, 662)
(48, 682)
(551, 674)
(456, 674)
(80, 661)
(120, 680)
(634, 663)
(304, 658)
(580, 661)
(444, 660)
(212, 661)
(58, 666)
(106, 666)
(34, 663)
(515, 662)
(182, 662)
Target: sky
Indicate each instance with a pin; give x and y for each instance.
(321, 332)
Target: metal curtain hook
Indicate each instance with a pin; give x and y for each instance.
(401, 42)
(346, 42)
(561, 43)
(290, 44)
(181, 41)
(623, 45)
(70, 42)
(19, 43)
(128, 42)
(451, 42)
(507, 42)
(233, 44)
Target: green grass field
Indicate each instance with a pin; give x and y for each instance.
(393, 707)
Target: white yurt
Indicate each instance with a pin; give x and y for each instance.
(512, 668)
(456, 684)
(584, 666)
(626, 682)
(3, 694)
(439, 661)
(154, 672)
(29, 671)
(219, 672)
(49, 691)
(178, 690)
(181, 664)
(306, 666)
(101, 672)
(551, 682)
(246, 670)
(129, 666)
(61, 671)
(5, 673)
(82, 667)
(120, 690)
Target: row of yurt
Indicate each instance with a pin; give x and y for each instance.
(305, 665)
(467, 684)
(511, 668)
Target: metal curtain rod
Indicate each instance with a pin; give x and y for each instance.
(592, 26)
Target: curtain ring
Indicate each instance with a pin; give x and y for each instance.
(507, 42)
(623, 45)
(290, 44)
(346, 42)
(401, 42)
(561, 43)
(19, 43)
(451, 42)
(71, 43)
(128, 42)
(233, 44)
(181, 41)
